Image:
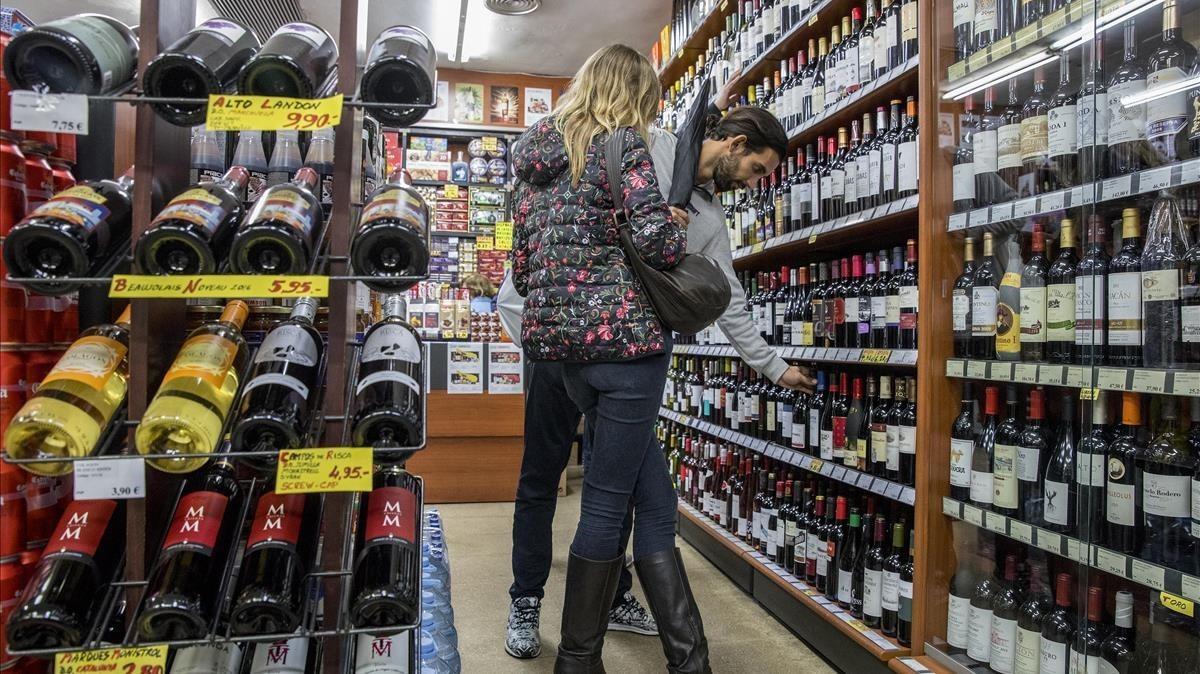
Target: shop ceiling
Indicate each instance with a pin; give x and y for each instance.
(554, 40)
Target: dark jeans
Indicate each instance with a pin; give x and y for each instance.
(621, 402)
(550, 422)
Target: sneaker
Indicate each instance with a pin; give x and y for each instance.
(630, 616)
(523, 640)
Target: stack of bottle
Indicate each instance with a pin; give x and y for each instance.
(437, 618)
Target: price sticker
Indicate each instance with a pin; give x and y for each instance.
(977, 369)
(1049, 541)
(1150, 381)
(979, 217)
(1186, 384)
(134, 660)
(957, 70)
(816, 465)
(973, 515)
(327, 469)
(504, 235)
(839, 473)
(1021, 531)
(1111, 378)
(957, 221)
(485, 243)
(1054, 22)
(57, 113)
(812, 20)
(950, 507)
(826, 469)
(1116, 188)
(863, 480)
(756, 248)
(1055, 201)
(272, 113)
(1177, 604)
(994, 522)
(893, 491)
(956, 368)
(1074, 551)
(1025, 373)
(1089, 393)
(450, 191)
(1155, 179)
(1001, 371)
(1191, 587)
(490, 143)
(1025, 208)
(1190, 172)
(1111, 562)
(1147, 574)
(110, 478)
(139, 286)
(875, 356)
(1051, 375)
(1002, 212)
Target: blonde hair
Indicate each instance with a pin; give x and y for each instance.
(479, 285)
(616, 87)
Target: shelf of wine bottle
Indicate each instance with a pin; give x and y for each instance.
(899, 357)
(794, 241)
(1112, 562)
(876, 485)
(894, 84)
(1012, 47)
(1139, 379)
(675, 65)
(880, 645)
(1110, 189)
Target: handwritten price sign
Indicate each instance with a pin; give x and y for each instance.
(329, 469)
(139, 286)
(272, 113)
(141, 660)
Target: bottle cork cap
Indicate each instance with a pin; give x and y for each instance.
(235, 312)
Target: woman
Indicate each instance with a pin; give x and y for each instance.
(482, 291)
(585, 307)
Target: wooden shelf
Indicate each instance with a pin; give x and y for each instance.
(920, 665)
(675, 65)
(899, 82)
(897, 357)
(1100, 377)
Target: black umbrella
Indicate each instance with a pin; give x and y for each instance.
(687, 150)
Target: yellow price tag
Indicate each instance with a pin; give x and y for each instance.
(812, 239)
(1088, 393)
(136, 660)
(450, 191)
(504, 235)
(272, 113)
(874, 356)
(489, 143)
(325, 469)
(485, 243)
(756, 248)
(1178, 604)
(813, 20)
(815, 465)
(142, 286)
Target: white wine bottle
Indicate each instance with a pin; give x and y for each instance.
(188, 411)
(75, 402)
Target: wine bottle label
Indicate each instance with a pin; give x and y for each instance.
(874, 167)
(1126, 124)
(1125, 309)
(381, 655)
(1008, 146)
(822, 560)
(878, 443)
(889, 166)
(850, 309)
(878, 312)
(964, 12)
(983, 311)
(197, 521)
(908, 440)
(891, 597)
(305, 31)
(256, 182)
(81, 206)
(908, 299)
(396, 204)
(391, 514)
(982, 487)
(80, 529)
(1053, 657)
(1056, 502)
(839, 436)
(811, 544)
(960, 310)
(216, 658)
(893, 448)
(1090, 469)
(1119, 499)
(1089, 314)
(963, 181)
(1060, 312)
(1189, 321)
(285, 204)
(206, 357)
(1160, 286)
(91, 360)
(862, 174)
(1008, 315)
(979, 633)
(277, 519)
(1033, 315)
(277, 379)
(985, 151)
(906, 601)
(1166, 115)
(1027, 655)
(1004, 644)
(227, 31)
(872, 593)
(1035, 140)
(908, 21)
(960, 461)
(392, 341)
(1103, 667)
(907, 166)
(286, 656)
(837, 184)
(815, 438)
(1091, 115)
(1062, 131)
(1004, 476)
(1166, 495)
(844, 592)
(104, 42)
(196, 206)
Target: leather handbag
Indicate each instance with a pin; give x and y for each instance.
(687, 297)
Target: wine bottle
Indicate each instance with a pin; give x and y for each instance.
(979, 615)
(299, 60)
(285, 158)
(250, 155)
(1171, 643)
(280, 551)
(298, 655)
(277, 235)
(856, 430)
(67, 587)
(908, 297)
(401, 68)
(191, 235)
(982, 479)
(1086, 646)
(963, 176)
(1030, 618)
(1036, 174)
(907, 158)
(849, 555)
(64, 237)
(962, 446)
(392, 238)
(873, 576)
(1058, 629)
(1034, 328)
(836, 536)
(1008, 142)
(75, 402)
(320, 159)
(188, 412)
(1189, 300)
(961, 303)
(986, 26)
(1128, 149)
(890, 603)
(1125, 295)
(1091, 295)
(1006, 608)
(905, 614)
(1091, 465)
(1060, 297)
(812, 542)
(280, 393)
(989, 188)
(1167, 115)
(879, 424)
(382, 655)
(1033, 454)
(204, 61)
(985, 289)
(388, 392)
(1165, 467)
(1063, 128)
(1118, 648)
(183, 590)
(1092, 115)
(386, 586)
(1008, 303)
(1166, 244)
(82, 54)
(963, 18)
(1059, 495)
(1004, 460)
(908, 436)
(208, 658)
(1122, 497)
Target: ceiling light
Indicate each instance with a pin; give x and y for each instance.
(1127, 11)
(1007, 72)
(1159, 92)
(512, 7)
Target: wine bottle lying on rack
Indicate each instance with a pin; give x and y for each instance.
(66, 236)
(388, 410)
(299, 60)
(208, 658)
(392, 237)
(276, 237)
(375, 654)
(386, 590)
(280, 551)
(81, 54)
(185, 585)
(206, 60)
(298, 655)
(60, 601)
(188, 411)
(401, 68)
(278, 396)
(75, 402)
(192, 234)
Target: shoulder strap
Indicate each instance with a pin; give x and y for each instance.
(614, 158)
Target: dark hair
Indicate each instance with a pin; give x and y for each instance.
(761, 129)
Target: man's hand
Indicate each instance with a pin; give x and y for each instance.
(797, 377)
(728, 92)
(681, 216)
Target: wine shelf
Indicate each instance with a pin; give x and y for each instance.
(899, 357)
(1110, 189)
(876, 485)
(1139, 379)
(793, 242)
(852, 107)
(675, 65)
(1118, 564)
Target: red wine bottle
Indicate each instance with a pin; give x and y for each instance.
(1118, 647)
(1122, 498)
(401, 68)
(962, 446)
(276, 237)
(184, 585)
(979, 617)
(298, 61)
(982, 478)
(392, 237)
(1004, 458)
(81, 54)
(387, 395)
(1059, 493)
(59, 603)
(1033, 453)
(386, 591)
(904, 617)
(1086, 646)
(1165, 467)
(204, 61)
(280, 551)
(1006, 606)
(872, 594)
(1058, 629)
(1030, 618)
(191, 235)
(1091, 465)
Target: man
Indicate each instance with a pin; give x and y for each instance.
(745, 146)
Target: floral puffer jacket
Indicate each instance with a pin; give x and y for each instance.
(583, 301)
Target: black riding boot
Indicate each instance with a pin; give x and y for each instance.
(665, 584)
(589, 595)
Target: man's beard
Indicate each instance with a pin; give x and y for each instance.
(724, 172)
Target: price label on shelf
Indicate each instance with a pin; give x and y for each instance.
(134, 660)
(1149, 381)
(110, 478)
(1049, 541)
(1052, 375)
(1025, 207)
(327, 469)
(139, 286)
(1186, 384)
(1190, 172)
(874, 356)
(1116, 188)
(1053, 202)
(973, 515)
(1110, 562)
(1147, 574)
(1001, 371)
(485, 243)
(1178, 604)
(1155, 179)
(955, 368)
(504, 235)
(272, 113)
(1025, 373)
(977, 369)
(450, 191)
(1110, 378)
(1021, 531)
(994, 522)
(57, 113)
(490, 144)
(1191, 586)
